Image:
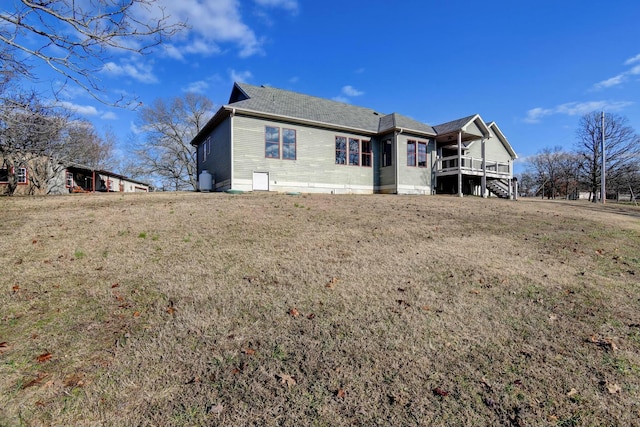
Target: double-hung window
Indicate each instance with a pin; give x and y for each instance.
(417, 154)
(288, 144)
(341, 150)
(366, 153)
(69, 179)
(272, 143)
(354, 151)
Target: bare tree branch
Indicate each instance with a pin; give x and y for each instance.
(76, 39)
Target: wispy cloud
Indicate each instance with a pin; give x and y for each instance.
(240, 76)
(109, 115)
(214, 26)
(351, 91)
(632, 60)
(83, 110)
(622, 77)
(199, 86)
(535, 115)
(290, 5)
(136, 71)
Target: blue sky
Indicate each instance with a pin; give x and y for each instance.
(534, 67)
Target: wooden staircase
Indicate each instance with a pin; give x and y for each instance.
(499, 187)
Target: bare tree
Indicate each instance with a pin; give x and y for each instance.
(622, 150)
(547, 168)
(75, 38)
(43, 140)
(169, 127)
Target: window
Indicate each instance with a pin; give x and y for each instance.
(272, 142)
(341, 150)
(411, 153)
(69, 179)
(354, 151)
(288, 144)
(387, 155)
(21, 177)
(422, 154)
(366, 153)
(418, 157)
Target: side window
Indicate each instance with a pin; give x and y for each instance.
(272, 142)
(422, 154)
(366, 153)
(288, 144)
(411, 153)
(4, 175)
(22, 176)
(341, 150)
(69, 179)
(387, 153)
(354, 151)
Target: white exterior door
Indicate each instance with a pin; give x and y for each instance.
(261, 181)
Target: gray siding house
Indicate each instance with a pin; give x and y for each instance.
(268, 139)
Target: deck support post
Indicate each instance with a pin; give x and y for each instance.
(484, 168)
(460, 163)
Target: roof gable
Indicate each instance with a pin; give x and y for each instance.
(503, 139)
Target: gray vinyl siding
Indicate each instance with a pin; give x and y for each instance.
(387, 178)
(218, 160)
(314, 168)
(495, 150)
(414, 179)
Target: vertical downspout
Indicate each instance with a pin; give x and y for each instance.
(460, 163)
(231, 116)
(484, 168)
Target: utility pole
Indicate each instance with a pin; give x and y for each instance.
(603, 191)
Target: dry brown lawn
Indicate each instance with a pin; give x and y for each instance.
(185, 309)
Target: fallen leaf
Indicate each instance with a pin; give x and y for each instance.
(426, 308)
(44, 357)
(249, 351)
(572, 392)
(287, 380)
(293, 312)
(235, 371)
(74, 380)
(440, 392)
(171, 309)
(341, 393)
(35, 381)
(553, 317)
(15, 288)
(613, 388)
(332, 282)
(310, 316)
(34, 241)
(474, 291)
(136, 314)
(118, 296)
(115, 285)
(194, 380)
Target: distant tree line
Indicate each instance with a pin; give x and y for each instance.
(559, 173)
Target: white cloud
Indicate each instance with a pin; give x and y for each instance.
(632, 60)
(109, 115)
(240, 76)
(622, 77)
(294, 79)
(351, 91)
(613, 81)
(140, 72)
(83, 110)
(291, 5)
(535, 115)
(199, 86)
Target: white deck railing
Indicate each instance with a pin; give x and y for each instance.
(472, 165)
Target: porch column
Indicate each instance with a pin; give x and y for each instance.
(460, 163)
(484, 168)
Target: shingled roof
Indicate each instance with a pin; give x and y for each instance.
(310, 108)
